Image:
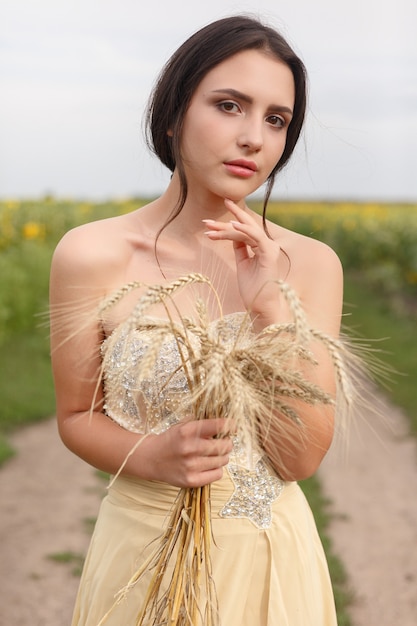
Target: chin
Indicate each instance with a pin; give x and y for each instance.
(237, 194)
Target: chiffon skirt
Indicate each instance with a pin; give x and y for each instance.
(272, 577)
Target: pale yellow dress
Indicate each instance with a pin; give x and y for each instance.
(268, 562)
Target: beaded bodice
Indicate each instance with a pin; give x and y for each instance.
(162, 398)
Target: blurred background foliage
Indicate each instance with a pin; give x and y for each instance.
(377, 244)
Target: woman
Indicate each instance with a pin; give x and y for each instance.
(224, 117)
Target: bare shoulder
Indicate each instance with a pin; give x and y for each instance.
(306, 253)
(85, 241)
(90, 252)
(316, 274)
(315, 254)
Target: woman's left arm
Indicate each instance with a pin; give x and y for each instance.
(317, 278)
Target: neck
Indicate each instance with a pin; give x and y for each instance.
(198, 205)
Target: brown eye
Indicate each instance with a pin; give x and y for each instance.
(276, 120)
(229, 107)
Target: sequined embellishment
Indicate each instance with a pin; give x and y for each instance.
(160, 400)
(152, 406)
(255, 491)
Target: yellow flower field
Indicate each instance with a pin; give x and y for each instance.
(377, 240)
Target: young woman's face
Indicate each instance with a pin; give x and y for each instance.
(236, 125)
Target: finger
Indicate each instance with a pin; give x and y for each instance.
(210, 428)
(206, 478)
(217, 427)
(241, 252)
(217, 447)
(213, 225)
(255, 233)
(212, 446)
(248, 235)
(208, 463)
(241, 215)
(214, 429)
(232, 231)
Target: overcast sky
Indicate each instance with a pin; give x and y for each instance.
(75, 75)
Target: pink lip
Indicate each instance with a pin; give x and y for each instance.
(241, 167)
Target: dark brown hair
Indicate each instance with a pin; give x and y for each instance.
(187, 67)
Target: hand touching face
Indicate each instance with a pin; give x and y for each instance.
(257, 262)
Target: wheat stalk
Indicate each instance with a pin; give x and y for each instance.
(250, 379)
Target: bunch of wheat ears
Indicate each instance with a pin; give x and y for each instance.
(253, 379)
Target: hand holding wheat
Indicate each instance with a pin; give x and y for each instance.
(192, 453)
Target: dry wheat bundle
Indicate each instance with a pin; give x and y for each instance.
(251, 379)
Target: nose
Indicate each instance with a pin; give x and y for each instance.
(251, 135)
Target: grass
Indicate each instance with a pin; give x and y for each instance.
(73, 559)
(322, 515)
(26, 388)
(373, 317)
(28, 395)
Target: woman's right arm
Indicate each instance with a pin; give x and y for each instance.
(185, 455)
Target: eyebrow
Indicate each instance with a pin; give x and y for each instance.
(243, 96)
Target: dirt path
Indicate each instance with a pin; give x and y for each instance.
(46, 495)
(373, 488)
